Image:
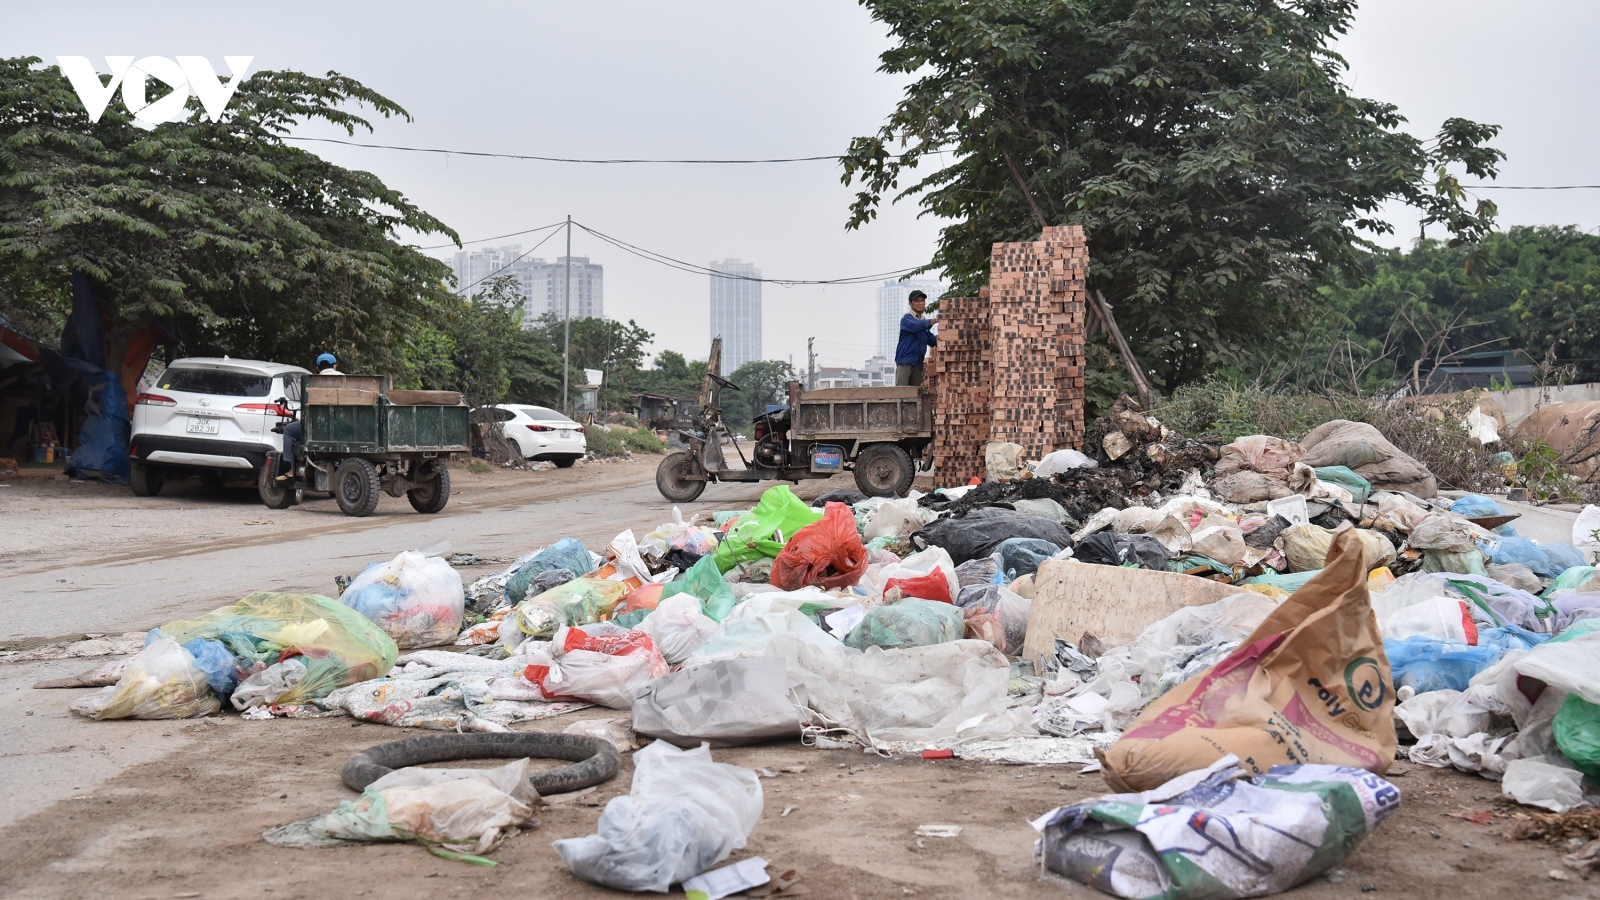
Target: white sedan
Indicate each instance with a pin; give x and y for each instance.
(542, 433)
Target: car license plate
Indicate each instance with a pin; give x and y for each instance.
(203, 425)
(566, 434)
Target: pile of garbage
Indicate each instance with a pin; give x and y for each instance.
(1346, 607)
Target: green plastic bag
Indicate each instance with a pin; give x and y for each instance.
(764, 530)
(1577, 730)
(908, 623)
(338, 645)
(704, 582)
(1344, 476)
(1570, 580)
(1468, 562)
(581, 601)
(1291, 582)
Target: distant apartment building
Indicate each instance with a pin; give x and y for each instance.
(892, 305)
(736, 312)
(875, 372)
(542, 285)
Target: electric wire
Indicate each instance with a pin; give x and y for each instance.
(495, 238)
(692, 268)
(463, 291)
(566, 159)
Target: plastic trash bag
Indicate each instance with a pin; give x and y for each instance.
(827, 553)
(161, 682)
(763, 531)
(704, 580)
(908, 623)
(678, 535)
(645, 597)
(683, 815)
(1537, 781)
(1134, 550)
(932, 561)
(581, 601)
(338, 645)
(1022, 556)
(1273, 831)
(977, 571)
(1477, 506)
(1578, 578)
(1395, 512)
(1058, 461)
(465, 810)
(1525, 551)
(933, 586)
(1306, 546)
(1443, 712)
(1255, 468)
(678, 627)
(599, 663)
(980, 531)
(1008, 606)
(1428, 664)
(1516, 575)
(728, 703)
(264, 688)
(221, 668)
(1172, 532)
(1577, 733)
(897, 518)
(1443, 618)
(1345, 477)
(1586, 529)
(1315, 665)
(1562, 557)
(1439, 532)
(417, 600)
(984, 625)
(567, 553)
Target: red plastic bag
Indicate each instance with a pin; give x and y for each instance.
(827, 553)
(932, 586)
(612, 641)
(645, 596)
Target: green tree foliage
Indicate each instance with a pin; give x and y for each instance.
(761, 382)
(615, 348)
(220, 231)
(1212, 151)
(473, 348)
(672, 376)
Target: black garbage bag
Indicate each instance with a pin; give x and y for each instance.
(845, 496)
(980, 531)
(1107, 548)
(1267, 533)
(1022, 556)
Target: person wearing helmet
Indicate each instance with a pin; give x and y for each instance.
(327, 364)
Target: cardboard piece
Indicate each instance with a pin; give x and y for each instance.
(1115, 603)
(1310, 685)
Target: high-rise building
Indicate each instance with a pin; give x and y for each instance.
(542, 285)
(892, 305)
(736, 312)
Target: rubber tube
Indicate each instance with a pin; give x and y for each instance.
(596, 760)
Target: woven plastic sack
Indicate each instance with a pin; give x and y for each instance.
(827, 553)
(417, 600)
(567, 553)
(162, 682)
(762, 531)
(1442, 533)
(704, 581)
(581, 601)
(908, 623)
(1365, 450)
(339, 645)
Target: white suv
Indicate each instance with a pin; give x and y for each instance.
(541, 433)
(209, 417)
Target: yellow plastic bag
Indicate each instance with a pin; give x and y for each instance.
(581, 601)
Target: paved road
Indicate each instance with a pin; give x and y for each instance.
(49, 754)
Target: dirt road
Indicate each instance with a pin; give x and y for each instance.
(175, 809)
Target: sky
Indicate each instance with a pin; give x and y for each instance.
(701, 78)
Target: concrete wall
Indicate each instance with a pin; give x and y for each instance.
(1518, 403)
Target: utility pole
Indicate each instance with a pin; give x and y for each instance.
(566, 325)
(811, 363)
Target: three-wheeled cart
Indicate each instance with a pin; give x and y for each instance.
(362, 437)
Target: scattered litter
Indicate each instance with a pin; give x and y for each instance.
(939, 831)
(728, 880)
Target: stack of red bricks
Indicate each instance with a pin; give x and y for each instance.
(1009, 363)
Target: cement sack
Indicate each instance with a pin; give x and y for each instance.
(1311, 684)
(1255, 468)
(726, 703)
(1369, 454)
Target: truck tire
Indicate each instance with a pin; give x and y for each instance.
(596, 760)
(356, 486)
(884, 470)
(145, 479)
(430, 496)
(673, 481)
(274, 494)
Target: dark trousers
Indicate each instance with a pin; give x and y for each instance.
(908, 375)
(292, 434)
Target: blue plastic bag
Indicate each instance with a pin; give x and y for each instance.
(1477, 506)
(1523, 550)
(1562, 557)
(567, 553)
(1506, 638)
(1021, 556)
(1426, 664)
(220, 666)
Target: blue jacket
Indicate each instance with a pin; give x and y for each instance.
(916, 336)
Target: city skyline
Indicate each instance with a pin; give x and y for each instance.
(736, 312)
(541, 284)
(892, 305)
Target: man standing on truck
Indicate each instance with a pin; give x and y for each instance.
(916, 337)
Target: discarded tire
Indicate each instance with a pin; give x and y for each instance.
(596, 761)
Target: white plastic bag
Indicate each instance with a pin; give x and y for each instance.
(731, 702)
(266, 686)
(162, 682)
(1059, 461)
(678, 627)
(1445, 618)
(417, 600)
(897, 518)
(683, 815)
(918, 564)
(1448, 713)
(1586, 531)
(1538, 782)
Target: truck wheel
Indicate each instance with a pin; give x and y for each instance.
(431, 496)
(884, 470)
(673, 478)
(274, 494)
(356, 486)
(145, 479)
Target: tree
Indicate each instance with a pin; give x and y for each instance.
(473, 348)
(1212, 152)
(614, 348)
(222, 232)
(761, 383)
(672, 376)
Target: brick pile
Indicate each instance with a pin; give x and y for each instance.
(1009, 362)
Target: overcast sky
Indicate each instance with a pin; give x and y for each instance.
(760, 79)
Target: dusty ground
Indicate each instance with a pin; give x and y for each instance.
(175, 809)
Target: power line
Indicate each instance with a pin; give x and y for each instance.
(1532, 187)
(463, 291)
(695, 269)
(565, 159)
(495, 238)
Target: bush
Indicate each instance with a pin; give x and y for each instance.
(603, 443)
(642, 440)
